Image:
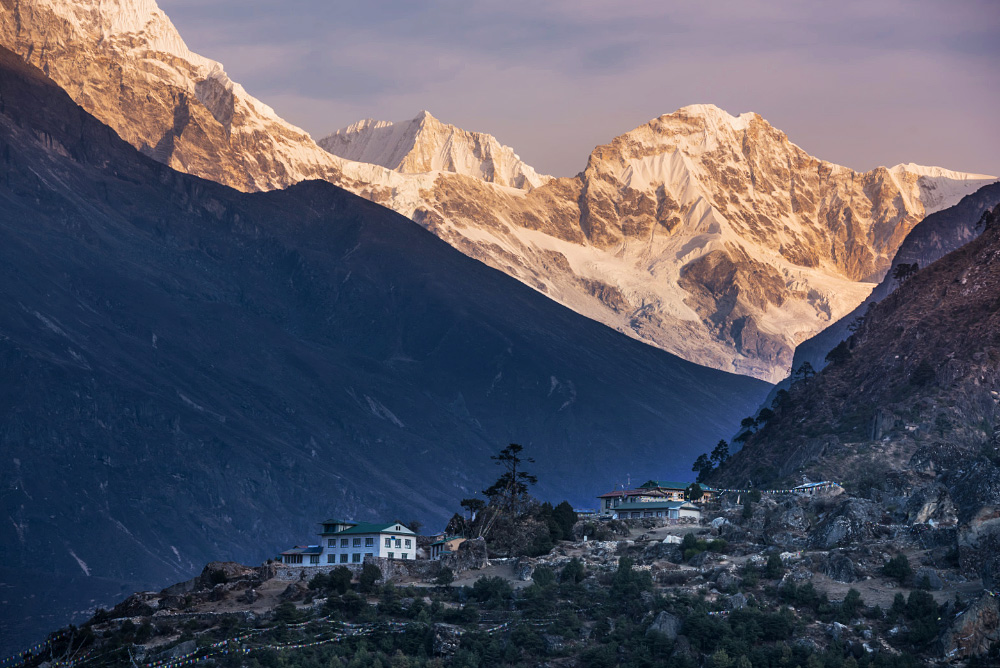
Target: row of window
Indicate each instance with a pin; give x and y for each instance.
(355, 558)
(369, 542)
(332, 558)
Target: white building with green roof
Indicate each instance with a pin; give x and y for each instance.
(348, 543)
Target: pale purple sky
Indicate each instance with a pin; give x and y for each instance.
(859, 83)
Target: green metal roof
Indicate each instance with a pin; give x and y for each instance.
(304, 549)
(673, 484)
(375, 528)
(653, 505)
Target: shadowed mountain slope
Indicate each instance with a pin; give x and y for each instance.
(935, 236)
(192, 373)
(918, 380)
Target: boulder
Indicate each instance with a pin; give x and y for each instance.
(852, 522)
(838, 566)
(294, 592)
(736, 602)
(216, 572)
(838, 631)
(665, 624)
(933, 580)
(975, 630)
(726, 581)
(523, 570)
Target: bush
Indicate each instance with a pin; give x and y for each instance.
(774, 568)
(445, 577)
(543, 576)
(370, 574)
(898, 568)
(491, 591)
(573, 572)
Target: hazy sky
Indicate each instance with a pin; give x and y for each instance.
(858, 83)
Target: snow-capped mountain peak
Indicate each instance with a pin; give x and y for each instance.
(425, 144)
(710, 235)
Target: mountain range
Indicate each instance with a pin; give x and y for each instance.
(708, 235)
(192, 373)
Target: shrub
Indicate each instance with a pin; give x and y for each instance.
(774, 568)
(898, 568)
(370, 574)
(445, 577)
(573, 572)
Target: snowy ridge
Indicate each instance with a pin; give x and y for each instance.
(709, 235)
(425, 144)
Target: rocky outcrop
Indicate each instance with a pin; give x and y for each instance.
(976, 630)
(666, 625)
(923, 365)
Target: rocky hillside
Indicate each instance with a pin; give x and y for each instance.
(908, 412)
(190, 372)
(935, 236)
(711, 236)
(786, 580)
(921, 371)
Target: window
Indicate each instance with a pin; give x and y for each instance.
(343, 558)
(402, 556)
(331, 542)
(408, 543)
(369, 554)
(388, 542)
(357, 542)
(356, 557)
(331, 558)
(392, 556)
(314, 559)
(399, 543)
(343, 542)
(369, 542)
(293, 558)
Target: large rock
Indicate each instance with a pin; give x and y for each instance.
(838, 566)
(665, 624)
(975, 630)
(852, 522)
(933, 580)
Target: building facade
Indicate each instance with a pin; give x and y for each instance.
(346, 543)
(668, 510)
(446, 545)
(653, 491)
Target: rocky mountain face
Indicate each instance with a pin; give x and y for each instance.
(190, 372)
(908, 414)
(710, 236)
(425, 144)
(935, 236)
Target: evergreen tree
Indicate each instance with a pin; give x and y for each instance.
(721, 453)
(840, 354)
